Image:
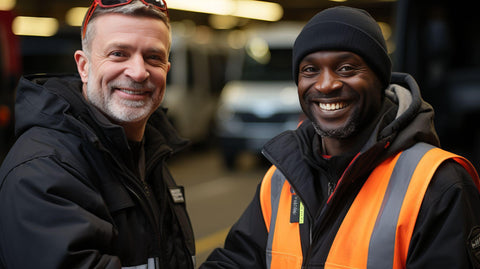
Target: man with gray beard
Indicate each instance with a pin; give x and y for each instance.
(86, 183)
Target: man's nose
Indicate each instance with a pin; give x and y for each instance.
(137, 69)
(328, 81)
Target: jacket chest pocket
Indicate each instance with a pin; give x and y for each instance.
(117, 198)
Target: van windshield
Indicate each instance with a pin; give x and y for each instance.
(274, 66)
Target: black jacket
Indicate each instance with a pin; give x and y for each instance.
(448, 221)
(69, 193)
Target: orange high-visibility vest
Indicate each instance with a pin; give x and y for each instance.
(377, 229)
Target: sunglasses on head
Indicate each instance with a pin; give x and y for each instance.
(158, 4)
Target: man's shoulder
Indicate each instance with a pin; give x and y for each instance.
(41, 143)
(450, 174)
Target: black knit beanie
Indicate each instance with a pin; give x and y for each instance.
(347, 29)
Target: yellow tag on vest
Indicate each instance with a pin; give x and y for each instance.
(297, 212)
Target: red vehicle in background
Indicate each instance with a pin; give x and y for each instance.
(10, 70)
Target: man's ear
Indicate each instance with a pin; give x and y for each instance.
(82, 64)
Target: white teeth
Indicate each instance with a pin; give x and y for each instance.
(331, 107)
(130, 92)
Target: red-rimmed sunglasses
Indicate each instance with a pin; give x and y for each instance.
(158, 4)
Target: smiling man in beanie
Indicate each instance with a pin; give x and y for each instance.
(362, 183)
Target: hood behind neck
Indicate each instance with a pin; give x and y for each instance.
(413, 121)
(56, 102)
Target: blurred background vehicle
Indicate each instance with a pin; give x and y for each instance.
(260, 100)
(195, 80)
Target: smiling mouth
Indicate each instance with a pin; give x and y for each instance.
(332, 106)
(132, 92)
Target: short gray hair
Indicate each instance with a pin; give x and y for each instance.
(136, 9)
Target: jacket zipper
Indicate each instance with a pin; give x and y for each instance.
(141, 191)
(146, 204)
(332, 190)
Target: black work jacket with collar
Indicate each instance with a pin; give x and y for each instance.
(70, 196)
(448, 221)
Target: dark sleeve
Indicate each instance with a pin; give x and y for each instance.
(52, 218)
(245, 243)
(448, 221)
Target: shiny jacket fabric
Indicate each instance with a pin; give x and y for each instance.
(449, 219)
(69, 197)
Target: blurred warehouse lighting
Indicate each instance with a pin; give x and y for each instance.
(386, 30)
(222, 21)
(258, 10)
(237, 39)
(7, 4)
(35, 26)
(219, 7)
(74, 16)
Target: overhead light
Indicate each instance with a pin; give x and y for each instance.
(259, 10)
(386, 29)
(203, 35)
(35, 26)
(222, 22)
(74, 16)
(7, 4)
(218, 7)
(237, 39)
(258, 50)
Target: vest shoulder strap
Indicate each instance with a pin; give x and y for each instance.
(284, 248)
(265, 196)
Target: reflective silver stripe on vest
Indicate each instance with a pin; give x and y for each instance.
(382, 241)
(277, 181)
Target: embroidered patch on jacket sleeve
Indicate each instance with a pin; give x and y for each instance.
(177, 195)
(473, 245)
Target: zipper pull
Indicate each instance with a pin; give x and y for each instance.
(331, 188)
(146, 188)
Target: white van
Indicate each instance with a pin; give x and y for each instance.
(260, 100)
(193, 82)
